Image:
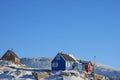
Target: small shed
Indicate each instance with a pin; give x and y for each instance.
(87, 66)
(63, 61)
(10, 56)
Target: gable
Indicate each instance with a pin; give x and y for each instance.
(10, 53)
(57, 58)
(58, 63)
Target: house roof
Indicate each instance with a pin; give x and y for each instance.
(67, 57)
(11, 52)
(86, 62)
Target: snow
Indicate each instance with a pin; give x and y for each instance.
(9, 71)
(43, 63)
(12, 71)
(113, 74)
(46, 64)
(72, 78)
(73, 57)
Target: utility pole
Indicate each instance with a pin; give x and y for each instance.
(94, 63)
(94, 67)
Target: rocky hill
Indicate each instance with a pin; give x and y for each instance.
(113, 74)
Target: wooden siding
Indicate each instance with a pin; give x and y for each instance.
(88, 68)
(17, 60)
(70, 65)
(61, 64)
(10, 57)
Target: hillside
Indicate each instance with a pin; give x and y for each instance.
(12, 71)
(113, 74)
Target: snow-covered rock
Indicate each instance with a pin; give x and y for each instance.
(113, 74)
(107, 71)
(12, 71)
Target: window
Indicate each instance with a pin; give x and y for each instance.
(5, 58)
(8, 54)
(68, 64)
(55, 64)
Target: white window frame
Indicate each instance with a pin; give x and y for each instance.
(8, 54)
(55, 64)
(67, 64)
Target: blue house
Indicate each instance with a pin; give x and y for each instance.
(64, 62)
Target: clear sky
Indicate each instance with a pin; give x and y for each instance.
(42, 28)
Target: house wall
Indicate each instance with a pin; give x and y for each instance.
(8, 57)
(80, 67)
(17, 60)
(88, 68)
(69, 65)
(77, 66)
(61, 63)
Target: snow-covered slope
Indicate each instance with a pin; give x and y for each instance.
(113, 74)
(12, 71)
(43, 63)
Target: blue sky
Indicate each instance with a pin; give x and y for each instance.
(42, 28)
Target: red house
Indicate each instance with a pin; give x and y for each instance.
(87, 66)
